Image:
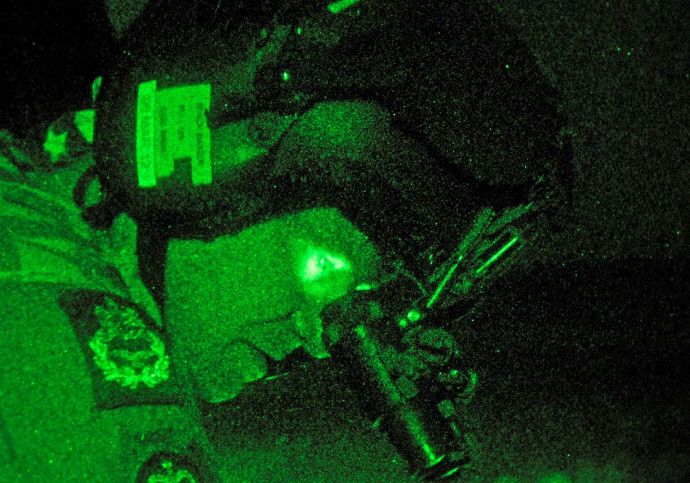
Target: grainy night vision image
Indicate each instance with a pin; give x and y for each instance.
(344, 241)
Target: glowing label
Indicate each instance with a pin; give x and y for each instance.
(146, 109)
(339, 6)
(171, 125)
(183, 132)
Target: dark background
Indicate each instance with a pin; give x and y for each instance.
(51, 53)
(599, 325)
(622, 69)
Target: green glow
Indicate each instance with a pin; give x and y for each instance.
(339, 6)
(171, 474)
(443, 283)
(146, 134)
(430, 453)
(160, 113)
(299, 30)
(96, 88)
(84, 121)
(319, 263)
(55, 145)
(628, 53)
(451, 472)
(324, 275)
(286, 76)
(413, 315)
(556, 477)
(497, 255)
(130, 365)
(363, 287)
(270, 378)
(432, 456)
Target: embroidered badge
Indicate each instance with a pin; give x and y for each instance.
(126, 350)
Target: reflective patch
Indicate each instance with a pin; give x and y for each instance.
(146, 134)
(127, 351)
(341, 5)
(165, 467)
(172, 125)
(182, 131)
(55, 145)
(84, 121)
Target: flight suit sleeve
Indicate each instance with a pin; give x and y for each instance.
(76, 342)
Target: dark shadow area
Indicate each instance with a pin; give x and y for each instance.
(592, 355)
(579, 365)
(51, 53)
